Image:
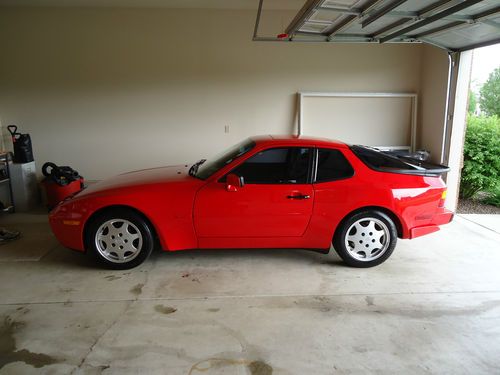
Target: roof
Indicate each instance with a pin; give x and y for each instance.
(299, 140)
(454, 25)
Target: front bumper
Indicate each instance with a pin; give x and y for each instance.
(444, 216)
(68, 228)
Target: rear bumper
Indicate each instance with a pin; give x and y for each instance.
(443, 217)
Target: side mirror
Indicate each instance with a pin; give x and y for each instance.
(234, 182)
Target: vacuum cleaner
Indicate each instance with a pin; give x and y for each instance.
(60, 182)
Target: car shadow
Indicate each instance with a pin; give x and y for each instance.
(62, 256)
(70, 258)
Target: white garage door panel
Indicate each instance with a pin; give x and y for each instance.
(369, 121)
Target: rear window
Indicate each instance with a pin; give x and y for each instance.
(378, 160)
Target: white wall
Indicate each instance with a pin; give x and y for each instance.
(108, 90)
(382, 121)
(432, 103)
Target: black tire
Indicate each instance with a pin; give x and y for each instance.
(379, 246)
(134, 237)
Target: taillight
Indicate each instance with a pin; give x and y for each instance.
(443, 198)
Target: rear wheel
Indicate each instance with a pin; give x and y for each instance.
(366, 239)
(120, 239)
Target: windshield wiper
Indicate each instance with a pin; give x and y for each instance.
(194, 168)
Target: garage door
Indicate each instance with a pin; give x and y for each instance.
(454, 25)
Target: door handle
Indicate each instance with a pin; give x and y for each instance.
(299, 196)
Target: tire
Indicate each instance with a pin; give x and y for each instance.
(366, 239)
(119, 239)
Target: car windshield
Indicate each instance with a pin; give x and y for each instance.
(209, 167)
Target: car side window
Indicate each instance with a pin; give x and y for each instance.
(276, 166)
(332, 165)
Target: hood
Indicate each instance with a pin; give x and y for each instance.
(153, 176)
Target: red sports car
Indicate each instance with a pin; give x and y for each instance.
(265, 192)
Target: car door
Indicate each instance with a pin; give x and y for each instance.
(275, 201)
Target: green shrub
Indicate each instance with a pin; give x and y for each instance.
(481, 171)
(493, 197)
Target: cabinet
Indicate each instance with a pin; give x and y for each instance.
(24, 186)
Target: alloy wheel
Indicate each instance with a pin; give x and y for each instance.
(118, 240)
(367, 239)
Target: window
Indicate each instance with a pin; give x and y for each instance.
(276, 166)
(378, 160)
(332, 165)
(210, 167)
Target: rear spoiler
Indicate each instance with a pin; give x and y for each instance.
(424, 168)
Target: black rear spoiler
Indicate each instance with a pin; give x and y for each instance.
(424, 168)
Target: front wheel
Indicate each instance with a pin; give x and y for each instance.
(120, 239)
(366, 239)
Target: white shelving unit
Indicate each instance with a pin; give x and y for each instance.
(6, 199)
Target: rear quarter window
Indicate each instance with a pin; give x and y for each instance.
(332, 165)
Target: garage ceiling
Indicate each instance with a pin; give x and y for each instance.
(203, 4)
(455, 25)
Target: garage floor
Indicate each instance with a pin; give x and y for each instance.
(434, 307)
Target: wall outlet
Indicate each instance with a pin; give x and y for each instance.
(226, 129)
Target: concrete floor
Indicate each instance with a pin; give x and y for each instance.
(434, 307)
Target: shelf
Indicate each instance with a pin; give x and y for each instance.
(5, 183)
